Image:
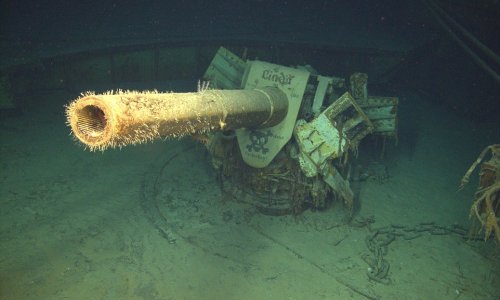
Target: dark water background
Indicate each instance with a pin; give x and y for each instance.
(73, 223)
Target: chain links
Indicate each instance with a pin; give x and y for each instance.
(379, 239)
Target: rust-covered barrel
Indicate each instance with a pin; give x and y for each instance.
(127, 117)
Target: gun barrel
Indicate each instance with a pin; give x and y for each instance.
(124, 118)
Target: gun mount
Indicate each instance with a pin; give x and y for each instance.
(279, 134)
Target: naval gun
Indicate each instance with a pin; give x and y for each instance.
(280, 136)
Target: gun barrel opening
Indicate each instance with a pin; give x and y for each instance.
(91, 121)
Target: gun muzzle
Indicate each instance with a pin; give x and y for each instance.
(128, 117)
